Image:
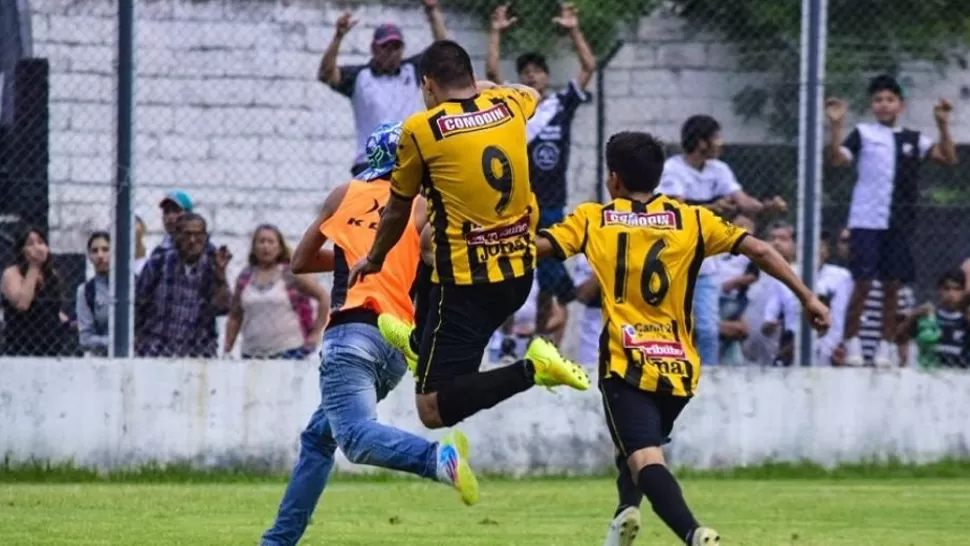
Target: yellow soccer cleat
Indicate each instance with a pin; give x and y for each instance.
(453, 467)
(624, 528)
(552, 369)
(397, 333)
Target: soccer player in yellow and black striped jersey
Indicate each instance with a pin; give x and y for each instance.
(467, 154)
(645, 251)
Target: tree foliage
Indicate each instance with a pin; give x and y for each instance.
(863, 37)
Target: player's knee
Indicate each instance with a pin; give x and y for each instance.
(427, 405)
(312, 439)
(645, 457)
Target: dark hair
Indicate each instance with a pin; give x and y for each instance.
(952, 275)
(448, 64)
(885, 82)
(784, 225)
(637, 158)
(190, 217)
(20, 258)
(696, 129)
(98, 235)
(283, 258)
(825, 235)
(536, 59)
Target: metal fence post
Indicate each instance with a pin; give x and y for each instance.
(121, 269)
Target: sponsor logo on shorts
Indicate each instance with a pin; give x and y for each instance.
(498, 234)
(474, 121)
(651, 348)
(656, 220)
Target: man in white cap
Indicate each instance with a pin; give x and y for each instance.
(386, 89)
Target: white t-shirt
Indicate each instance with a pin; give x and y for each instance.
(591, 319)
(698, 187)
(833, 284)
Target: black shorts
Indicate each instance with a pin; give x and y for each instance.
(459, 324)
(636, 418)
(881, 254)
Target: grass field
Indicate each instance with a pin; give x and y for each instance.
(909, 511)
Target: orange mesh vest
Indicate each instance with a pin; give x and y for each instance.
(352, 229)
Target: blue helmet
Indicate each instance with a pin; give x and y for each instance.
(381, 151)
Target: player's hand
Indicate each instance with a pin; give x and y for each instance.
(835, 109)
(817, 314)
(360, 271)
(568, 17)
(344, 23)
(501, 19)
(941, 112)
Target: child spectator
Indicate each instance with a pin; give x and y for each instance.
(882, 213)
(734, 274)
(942, 331)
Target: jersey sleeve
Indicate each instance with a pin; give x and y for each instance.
(719, 235)
(524, 100)
(569, 236)
(409, 170)
(852, 144)
(348, 79)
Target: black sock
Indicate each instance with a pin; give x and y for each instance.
(421, 290)
(626, 489)
(660, 486)
(469, 394)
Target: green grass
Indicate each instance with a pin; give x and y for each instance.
(555, 512)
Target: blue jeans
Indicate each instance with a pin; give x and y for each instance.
(706, 319)
(358, 369)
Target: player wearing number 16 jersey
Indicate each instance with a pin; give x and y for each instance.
(467, 153)
(645, 251)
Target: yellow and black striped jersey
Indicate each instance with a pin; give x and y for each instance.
(646, 257)
(470, 159)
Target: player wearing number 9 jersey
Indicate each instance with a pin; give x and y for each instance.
(467, 153)
(645, 251)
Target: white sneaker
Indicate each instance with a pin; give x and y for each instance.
(624, 527)
(704, 536)
(885, 356)
(853, 352)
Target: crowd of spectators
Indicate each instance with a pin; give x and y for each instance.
(742, 317)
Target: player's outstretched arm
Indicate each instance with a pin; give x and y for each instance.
(309, 257)
(544, 247)
(394, 221)
(771, 262)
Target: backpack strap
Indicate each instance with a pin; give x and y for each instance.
(299, 300)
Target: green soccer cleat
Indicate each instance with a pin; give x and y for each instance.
(552, 369)
(453, 467)
(704, 536)
(397, 333)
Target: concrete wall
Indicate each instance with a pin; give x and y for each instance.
(126, 412)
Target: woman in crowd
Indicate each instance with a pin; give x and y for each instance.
(271, 305)
(93, 302)
(35, 324)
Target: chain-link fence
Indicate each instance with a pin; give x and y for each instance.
(238, 107)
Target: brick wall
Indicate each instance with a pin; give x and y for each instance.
(228, 108)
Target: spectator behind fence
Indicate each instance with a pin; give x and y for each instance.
(698, 177)
(386, 89)
(93, 302)
(179, 294)
(841, 255)
(33, 298)
(776, 325)
(734, 274)
(882, 213)
(591, 321)
(271, 305)
(141, 256)
(549, 134)
(174, 205)
(942, 332)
